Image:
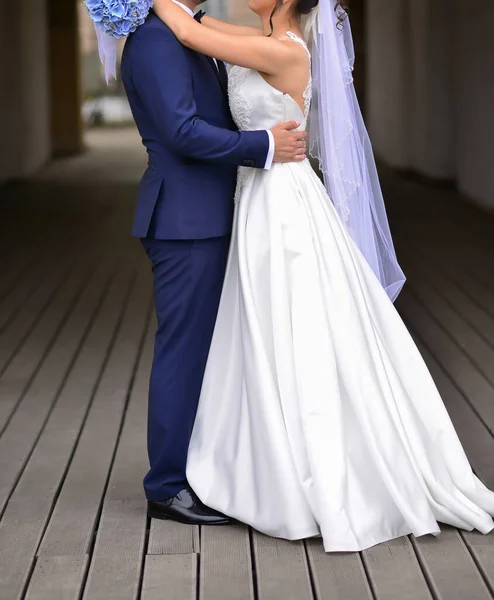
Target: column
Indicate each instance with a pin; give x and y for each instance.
(65, 77)
(387, 81)
(24, 101)
(431, 91)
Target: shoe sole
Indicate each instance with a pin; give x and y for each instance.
(159, 515)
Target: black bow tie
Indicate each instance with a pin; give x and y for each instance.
(198, 16)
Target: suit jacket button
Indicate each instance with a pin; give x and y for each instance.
(249, 163)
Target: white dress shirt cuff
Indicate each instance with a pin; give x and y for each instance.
(269, 160)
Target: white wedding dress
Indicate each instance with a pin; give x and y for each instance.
(317, 413)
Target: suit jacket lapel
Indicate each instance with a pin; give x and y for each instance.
(223, 83)
(223, 80)
(222, 77)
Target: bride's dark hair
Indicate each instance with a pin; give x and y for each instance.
(303, 7)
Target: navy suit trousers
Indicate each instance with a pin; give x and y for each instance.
(188, 278)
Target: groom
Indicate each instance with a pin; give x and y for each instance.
(184, 218)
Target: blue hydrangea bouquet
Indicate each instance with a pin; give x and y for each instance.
(118, 18)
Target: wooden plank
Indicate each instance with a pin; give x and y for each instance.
(438, 261)
(460, 270)
(329, 571)
(226, 566)
(394, 571)
(57, 578)
(24, 428)
(30, 505)
(465, 285)
(19, 259)
(169, 537)
(40, 311)
(25, 264)
(471, 382)
(117, 558)
(456, 250)
(16, 379)
(281, 568)
(22, 290)
(78, 505)
(473, 254)
(463, 333)
(13, 275)
(449, 568)
(337, 575)
(482, 550)
(170, 577)
(476, 439)
(471, 308)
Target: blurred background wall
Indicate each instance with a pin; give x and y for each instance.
(424, 78)
(25, 140)
(430, 89)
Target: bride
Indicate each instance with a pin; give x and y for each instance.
(317, 413)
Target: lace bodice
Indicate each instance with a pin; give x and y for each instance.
(255, 104)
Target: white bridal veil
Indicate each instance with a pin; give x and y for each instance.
(339, 139)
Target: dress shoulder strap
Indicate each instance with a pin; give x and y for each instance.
(307, 94)
(298, 39)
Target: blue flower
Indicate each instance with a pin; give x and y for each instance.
(96, 15)
(124, 27)
(118, 18)
(117, 9)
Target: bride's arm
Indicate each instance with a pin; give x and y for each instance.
(261, 53)
(224, 27)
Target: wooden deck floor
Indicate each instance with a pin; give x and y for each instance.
(76, 331)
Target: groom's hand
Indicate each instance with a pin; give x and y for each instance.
(290, 145)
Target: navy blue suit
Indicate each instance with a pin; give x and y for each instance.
(183, 216)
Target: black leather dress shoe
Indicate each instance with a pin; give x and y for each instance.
(186, 508)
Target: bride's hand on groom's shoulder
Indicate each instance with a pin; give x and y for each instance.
(290, 145)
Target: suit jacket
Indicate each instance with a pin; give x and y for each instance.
(181, 111)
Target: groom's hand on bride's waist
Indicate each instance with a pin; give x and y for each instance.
(290, 145)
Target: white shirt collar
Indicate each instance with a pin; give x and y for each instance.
(186, 8)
